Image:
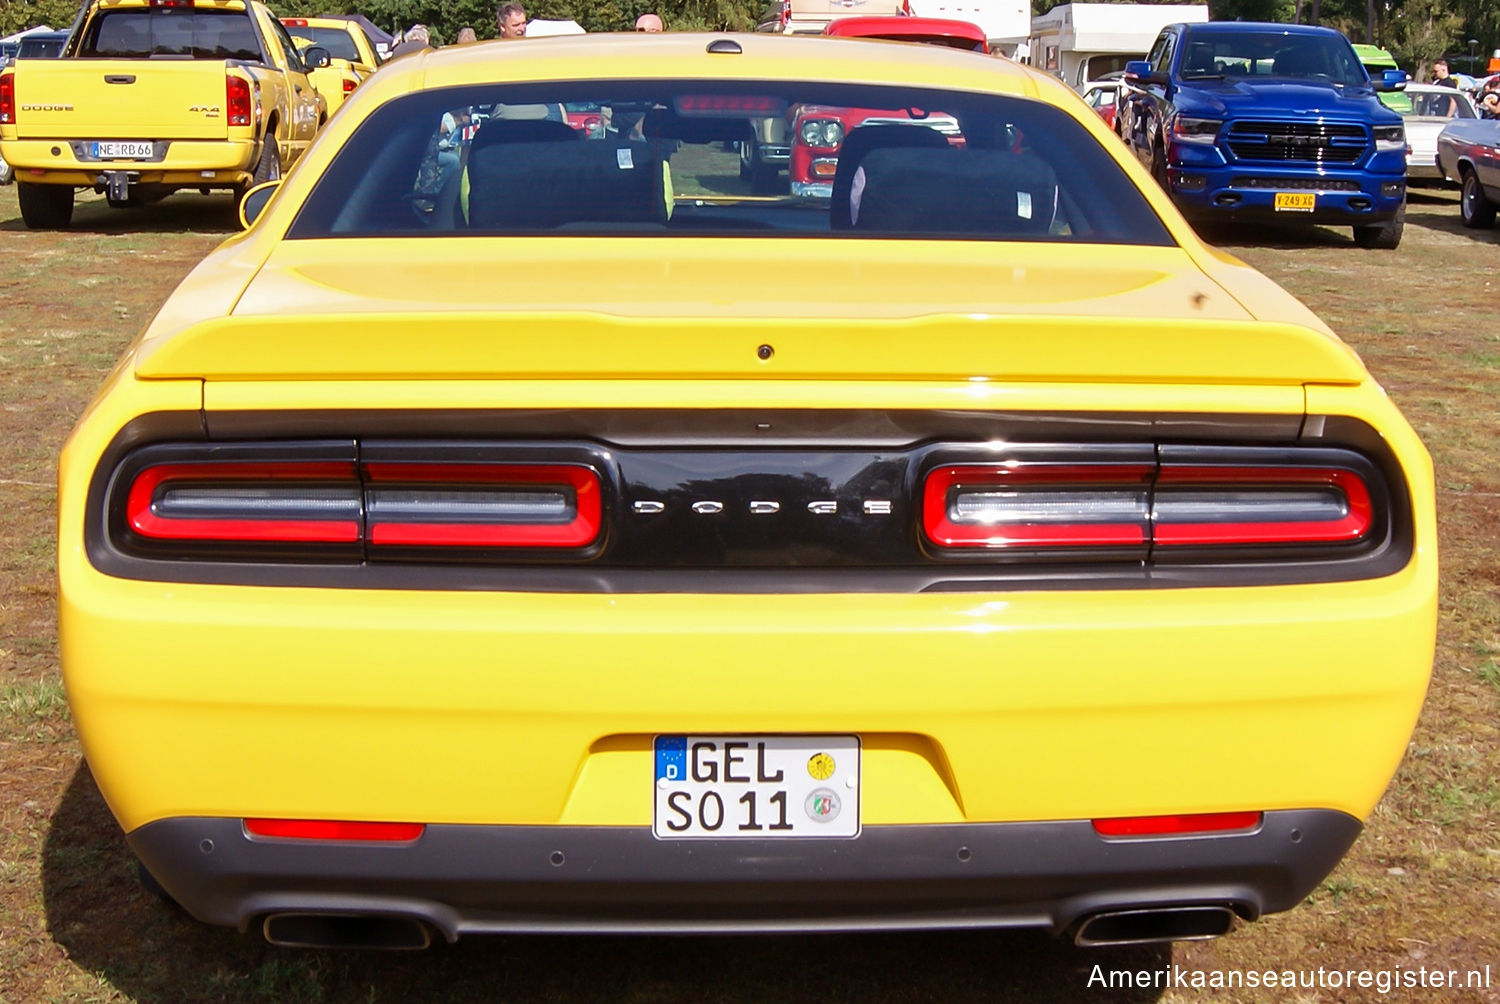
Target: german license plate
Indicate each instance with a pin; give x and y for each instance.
(1296, 202)
(756, 786)
(125, 148)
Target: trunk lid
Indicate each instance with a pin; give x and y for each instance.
(565, 308)
(121, 99)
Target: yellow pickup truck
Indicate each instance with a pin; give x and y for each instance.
(153, 96)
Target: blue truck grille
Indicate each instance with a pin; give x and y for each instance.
(1298, 142)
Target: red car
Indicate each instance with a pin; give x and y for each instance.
(935, 30)
(818, 132)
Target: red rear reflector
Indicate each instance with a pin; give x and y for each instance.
(1158, 826)
(8, 99)
(1037, 505)
(1207, 506)
(237, 100)
(483, 505)
(328, 829)
(304, 502)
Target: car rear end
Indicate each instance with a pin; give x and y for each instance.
(388, 609)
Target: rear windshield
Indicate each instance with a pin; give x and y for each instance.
(337, 41)
(199, 33)
(742, 159)
(1271, 53)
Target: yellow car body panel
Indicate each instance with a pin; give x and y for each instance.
(205, 698)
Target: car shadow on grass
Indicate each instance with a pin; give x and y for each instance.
(153, 953)
(183, 212)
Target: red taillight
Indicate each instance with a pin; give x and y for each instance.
(7, 99)
(1172, 506)
(483, 505)
(1162, 826)
(292, 502)
(294, 22)
(237, 101)
(1026, 505)
(349, 86)
(1214, 506)
(334, 830)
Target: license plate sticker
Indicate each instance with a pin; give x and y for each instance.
(1295, 202)
(724, 787)
(125, 148)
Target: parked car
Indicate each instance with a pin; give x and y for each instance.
(1466, 153)
(351, 54)
(42, 45)
(806, 142)
(955, 34)
(410, 586)
(1101, 95)
(1432, 108)
(1244, 122)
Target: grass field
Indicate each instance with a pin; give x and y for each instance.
(1421, 888)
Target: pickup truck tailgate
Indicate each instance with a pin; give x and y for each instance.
(128, 99)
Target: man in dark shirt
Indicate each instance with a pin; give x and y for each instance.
(1440, 75)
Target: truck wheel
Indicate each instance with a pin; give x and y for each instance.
(45, 207)
(1474, 206)
(1384, 237)
(268, 168)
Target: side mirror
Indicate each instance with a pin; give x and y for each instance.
(1137, 70)
(1392, 80)
(316, 57)
(255, 201)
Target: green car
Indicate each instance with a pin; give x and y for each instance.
(1375, 60)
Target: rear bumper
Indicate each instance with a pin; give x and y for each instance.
(182, 163)
(543, 879)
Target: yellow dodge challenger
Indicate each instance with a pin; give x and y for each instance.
(524, 526)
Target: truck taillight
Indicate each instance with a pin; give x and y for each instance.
(7, 99)
(170, 3)
(349, 86)
(294, 22)
(237, 101)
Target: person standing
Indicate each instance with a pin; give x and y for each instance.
(1441, 76)
(510, 20)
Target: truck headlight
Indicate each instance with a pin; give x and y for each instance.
(1390, 139)
(1191, 130)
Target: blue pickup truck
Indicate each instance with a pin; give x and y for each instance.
(1253, 122)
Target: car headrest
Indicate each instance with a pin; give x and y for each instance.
(954, 190)
(861, 141)
(542, 186)
(523, 131)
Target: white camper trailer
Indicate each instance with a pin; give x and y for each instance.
(1080, 42)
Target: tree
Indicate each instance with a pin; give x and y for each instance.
(18, 15)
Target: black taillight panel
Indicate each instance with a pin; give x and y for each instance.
(575, 515)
